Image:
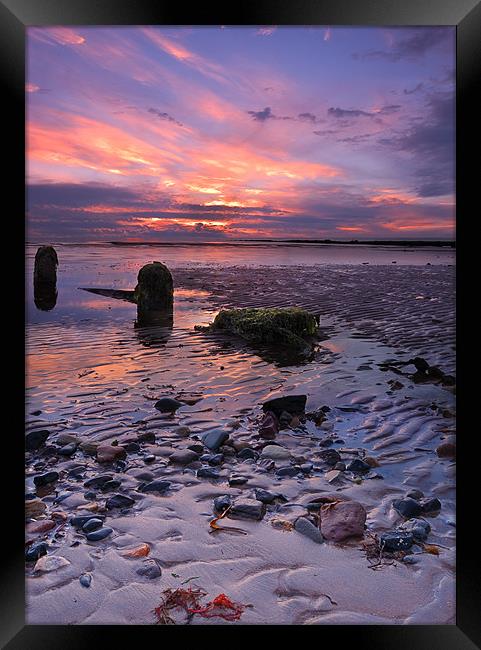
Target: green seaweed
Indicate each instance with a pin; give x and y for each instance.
(289, 327)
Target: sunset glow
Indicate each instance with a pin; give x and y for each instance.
(186, 134)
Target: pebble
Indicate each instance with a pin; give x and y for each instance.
(35, 439)
(197, 447)
(34, 507)
(340, 466)
(358, 466)
(67, 450)
(100, 533)
(222, 503)
(119, 501)
(85, 580)
(150, 569)
(418, 528)
(246, 453)
(446, 450)
(183, 457)
(168, 405)
(341, 520)
(111, 485)
(41, 526)
(264, 496)
(208, 472)
(90, 494)
(306, 468)
(407, 507)
(92, 524)
(305, 527)
(275, 452)
(332, 475)
(212, 459)
(415, 494)
(149, 458)
(49, 563)
(397, 540)
(35, 551)
(330, 456)
(156, 486)
(45, 479)
(214, 439)
(248, 509)
(292, 404)
(110, 453)
(182, 431)
(80, 520)
(430, 506)
(98, 481)
(237, 480)
(143, 475)
(410, 559)
(289, 470)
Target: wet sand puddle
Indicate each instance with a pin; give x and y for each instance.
(99, 379)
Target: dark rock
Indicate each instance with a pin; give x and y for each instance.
(168, 405)
(288, 470)
(446, 450)
(285, 420)
(132, 447)
(247, 453)
(341, 520)
(340, 466)
(35, 439)
(100, 533)
(80, 520)
(111, 485)
(146, 436)
(418, 528)
(264, 496)
(415, 494)
(98, 481)
(269, 426)
(208, 472)
(449, 380)
(248, 509)
(156, 486)
(328, 442)
(429, 506)
(67, 450)
(305, 527)
(35, 551)
(214, 439)
(92, 524)
(396, 540)
(119, 501)
(237, 480)
(435, 373)
(197, 447)
(420, 364)
(407, 507)
(183, 457)
(90, 494)
(150, 458)
(293, 404)
(420, 377)
(212, 459)
(358, 466)
(45, 479)
(85, 580)
(306, 468)
(222, 503)
(330, 456)
(150, 569)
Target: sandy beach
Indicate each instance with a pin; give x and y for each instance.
(93, 379)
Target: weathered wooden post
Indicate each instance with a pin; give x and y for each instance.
(45, 278)
(154, 294)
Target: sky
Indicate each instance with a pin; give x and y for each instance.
(220, 133)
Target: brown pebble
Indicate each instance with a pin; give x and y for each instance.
(446, 450)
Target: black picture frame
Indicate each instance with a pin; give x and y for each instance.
(15, 16)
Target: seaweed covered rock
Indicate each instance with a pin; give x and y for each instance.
(290, 327)
(155, 288)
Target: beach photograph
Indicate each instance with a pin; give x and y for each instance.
(240, 262)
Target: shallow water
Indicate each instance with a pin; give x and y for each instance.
(91, 372)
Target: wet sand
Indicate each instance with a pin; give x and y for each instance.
(98, 378)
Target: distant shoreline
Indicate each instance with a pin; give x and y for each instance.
(404, 243)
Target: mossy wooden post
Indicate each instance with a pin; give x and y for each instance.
(45, 278)
(154, 293)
